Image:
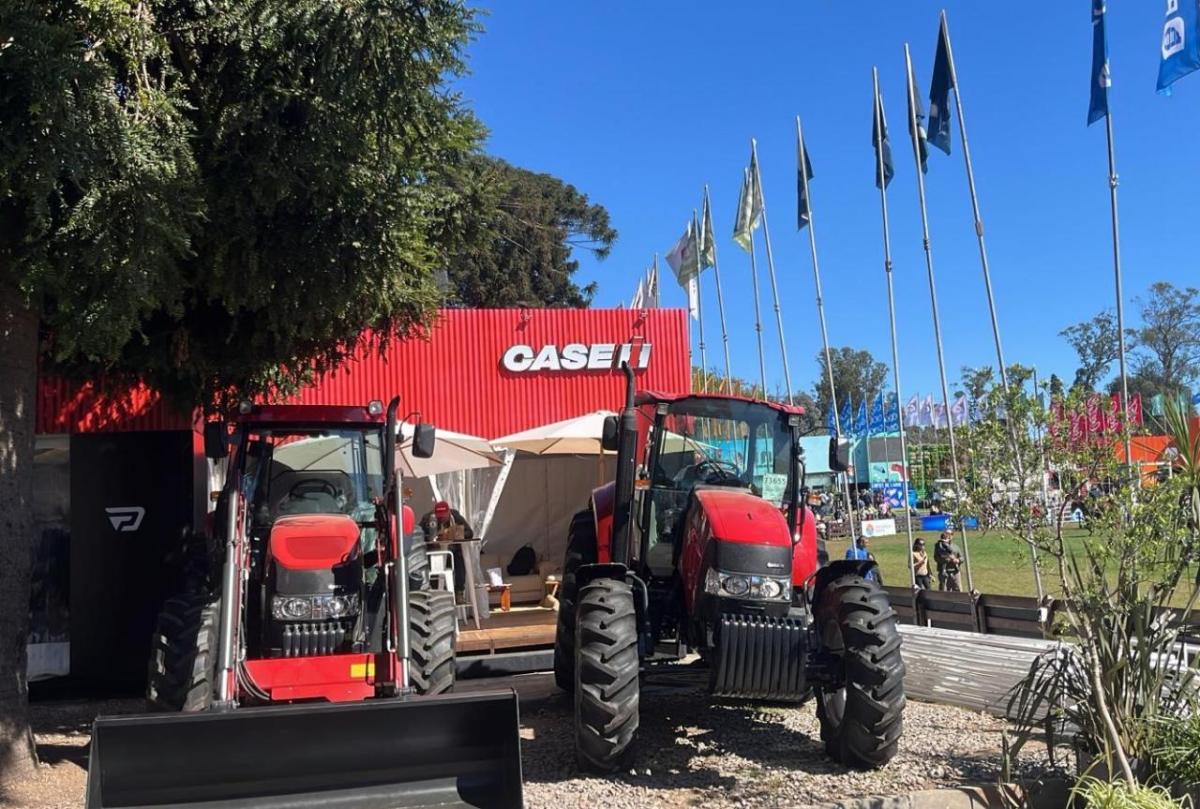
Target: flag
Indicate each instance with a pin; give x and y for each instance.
(939, 92)
(916, 120)
(1158, 405)
(1101, 80)
(912, 412)
(876, 425)
(683, 260)
(958, 411)
(883, 148)
(860, 419)
(939, 414)
(831, 421)
(1180, 43)
(1112, 416)
(693, 293)
(804, 173)
(925, 418)
(639, 297)
(1054, 423)
(847, 425)
(1078, 427)
(1095, 421)
(891, 420)
(652, 290)
(1135, 409)
(708, 247)
(750, 205)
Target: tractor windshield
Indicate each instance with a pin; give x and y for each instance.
(295, 470)
(719, 442)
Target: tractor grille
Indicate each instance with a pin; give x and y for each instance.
(758, 657)
(316, 637)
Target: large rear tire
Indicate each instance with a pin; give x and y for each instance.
(418, 561)
(607, 683)
(862, 720)
(581, 550)
(183, 654)
(431, 624)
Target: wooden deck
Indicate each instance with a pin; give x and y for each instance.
(521, 628)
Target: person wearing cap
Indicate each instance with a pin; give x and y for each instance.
(445, 524)
(920, 563)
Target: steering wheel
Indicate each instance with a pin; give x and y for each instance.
(313, 486)
(709, 470)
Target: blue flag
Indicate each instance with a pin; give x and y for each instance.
(1101, 80)
(877, 425)
(883, 148)
(846, 414)
(916, 120)
(939, 92)
(804, 173)
(1180, 42)
(891, 420)
(860, 419)
(831, 421)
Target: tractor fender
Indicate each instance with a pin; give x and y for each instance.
(601, 570)
(835, 570)
(603, 500)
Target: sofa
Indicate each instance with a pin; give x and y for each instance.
(528, 589)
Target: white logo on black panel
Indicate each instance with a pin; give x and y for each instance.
(125, 518)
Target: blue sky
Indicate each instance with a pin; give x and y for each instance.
(640, 104)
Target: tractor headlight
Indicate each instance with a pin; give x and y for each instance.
(313, 608)
(739, 585)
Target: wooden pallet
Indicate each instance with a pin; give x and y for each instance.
(522, 628)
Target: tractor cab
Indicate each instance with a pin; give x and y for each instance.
(698, 443)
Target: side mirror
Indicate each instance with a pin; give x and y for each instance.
(215, 443)
(424, 440)
(608, 436)
(839, 454)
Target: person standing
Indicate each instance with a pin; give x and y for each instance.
(949, 563)
(858, 552)
(446, 524)
(920, 563)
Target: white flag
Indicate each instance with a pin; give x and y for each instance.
(958, 411)
(925, 419)
(939, 414)
(693, 291)
(639, 297)
(912, 412)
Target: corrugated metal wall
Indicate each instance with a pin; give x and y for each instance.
(456, 381)
(454, 376)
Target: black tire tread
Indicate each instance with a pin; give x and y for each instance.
(607, 669)
(869, 732)
(182, 668)
(581, 550)
(431, 625)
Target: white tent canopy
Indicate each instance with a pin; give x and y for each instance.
(453, 452)
(576, 436)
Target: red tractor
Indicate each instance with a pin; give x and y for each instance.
(301, 666)
(702, 543)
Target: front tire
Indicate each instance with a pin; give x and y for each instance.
(861, 721)
(183, 654)
(431, 624)
(607, 669)
(581, 550)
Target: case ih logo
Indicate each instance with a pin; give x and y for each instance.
(575, 357)
(125, 518)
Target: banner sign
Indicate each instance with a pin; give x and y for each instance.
(878, 528)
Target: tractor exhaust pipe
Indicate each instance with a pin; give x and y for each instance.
(626, 463)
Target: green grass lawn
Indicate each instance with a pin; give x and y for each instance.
(1000, 561)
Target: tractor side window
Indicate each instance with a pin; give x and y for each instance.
(772, 453)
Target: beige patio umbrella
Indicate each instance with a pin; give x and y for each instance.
(576, 436)
(453, 452)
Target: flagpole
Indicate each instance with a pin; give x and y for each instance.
(787, 374)
(1042, 449)
(1116, 242)
(933, 305)
(762, 364)
(987, 279)
(812, 246)
(887, 270)
(720, 297)
(700, 305)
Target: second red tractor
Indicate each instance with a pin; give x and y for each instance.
(703, 544)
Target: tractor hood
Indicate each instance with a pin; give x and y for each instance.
(313, 541)
(738, 516)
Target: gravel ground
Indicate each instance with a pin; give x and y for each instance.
(693, 751)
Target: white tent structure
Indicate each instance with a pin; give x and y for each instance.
(577, 436)
(453, 452)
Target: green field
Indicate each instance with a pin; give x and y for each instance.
(999, 561)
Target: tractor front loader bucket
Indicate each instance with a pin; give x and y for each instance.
(444, 751)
